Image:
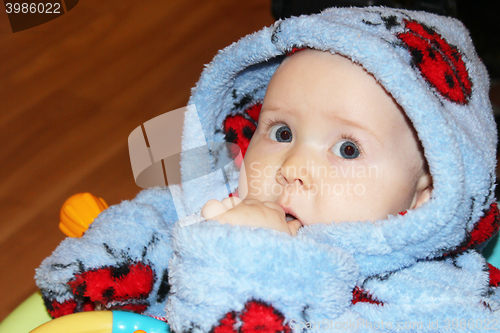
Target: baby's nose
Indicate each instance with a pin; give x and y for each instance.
(295, 173)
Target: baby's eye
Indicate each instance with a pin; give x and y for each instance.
(346, 149)
(281, 133)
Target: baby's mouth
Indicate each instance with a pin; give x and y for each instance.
(290, 214)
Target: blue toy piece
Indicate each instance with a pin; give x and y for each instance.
(125, 322)
(492, 252)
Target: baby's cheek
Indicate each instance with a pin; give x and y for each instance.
(398, 195)
(251, 180)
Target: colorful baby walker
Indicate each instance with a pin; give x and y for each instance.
(77, 213)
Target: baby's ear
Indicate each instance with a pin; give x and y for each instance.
(423, 191)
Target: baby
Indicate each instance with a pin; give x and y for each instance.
(322, 113)
(365, 196)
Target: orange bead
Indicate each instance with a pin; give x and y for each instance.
(78, 212)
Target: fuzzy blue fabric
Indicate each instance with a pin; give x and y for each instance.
(204, 281)
(130, 232)
(393, 257)
(412, 265)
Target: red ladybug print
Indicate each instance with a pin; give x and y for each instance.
(128, 286)
(227, 324)
(439, 62)
(256, 317)
(239, 128)
(124, 287)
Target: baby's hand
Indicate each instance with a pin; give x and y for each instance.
(250, 212)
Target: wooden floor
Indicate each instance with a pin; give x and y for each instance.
(73, 89)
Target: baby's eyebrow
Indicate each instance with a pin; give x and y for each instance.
(274, 108)
(356, 124)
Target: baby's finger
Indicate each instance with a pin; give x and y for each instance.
(212, 208)
(231, 202)
(294, 226)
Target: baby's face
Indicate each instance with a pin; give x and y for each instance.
(332, 145)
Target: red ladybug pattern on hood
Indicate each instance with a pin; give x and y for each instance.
(439, 62)
(239, 128)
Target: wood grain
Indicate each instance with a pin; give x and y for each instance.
(71, 91)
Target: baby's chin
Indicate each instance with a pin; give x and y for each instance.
(317, 217)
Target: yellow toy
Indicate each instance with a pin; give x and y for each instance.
(78, 212)
(104, 322)
(28, 315)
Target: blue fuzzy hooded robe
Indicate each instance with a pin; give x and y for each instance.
(421, 271)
